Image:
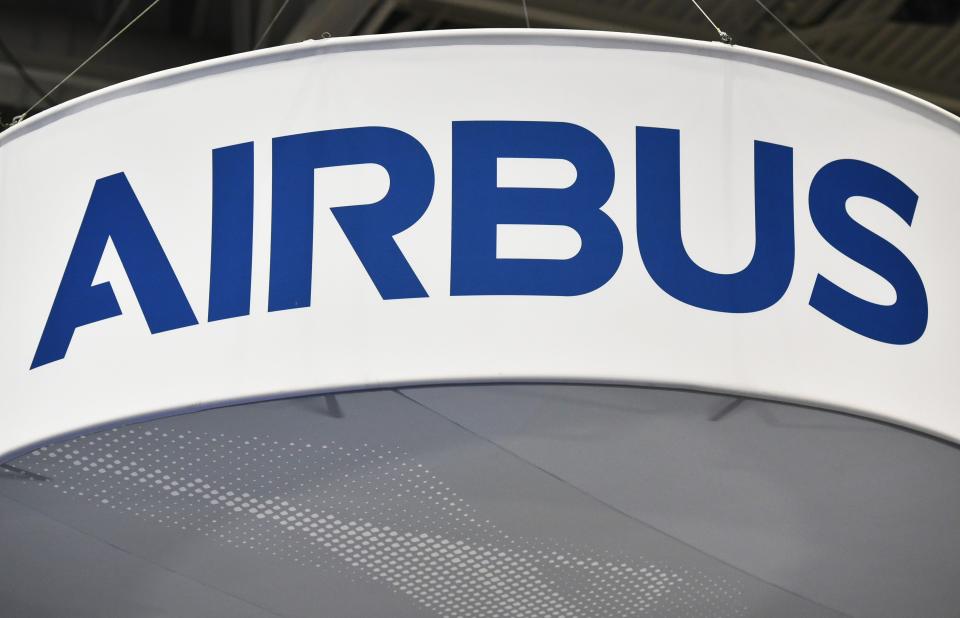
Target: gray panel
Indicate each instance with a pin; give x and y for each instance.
(473, 501)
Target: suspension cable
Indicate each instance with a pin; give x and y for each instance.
(21, 70)
(269, 27)
(724, 37)
(792, 33)
(20, 118)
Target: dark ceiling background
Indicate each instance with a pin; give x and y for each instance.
(910, 44)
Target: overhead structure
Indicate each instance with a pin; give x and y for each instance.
(913, 45)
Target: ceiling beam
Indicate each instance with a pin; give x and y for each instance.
(561, 14)
(15, 94)
(338, 18)
(49, 46)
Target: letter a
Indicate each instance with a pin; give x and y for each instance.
(114, 213)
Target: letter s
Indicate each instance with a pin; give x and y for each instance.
(905, 320)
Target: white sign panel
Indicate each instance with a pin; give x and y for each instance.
(492, 206)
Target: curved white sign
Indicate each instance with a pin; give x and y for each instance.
(494, 206)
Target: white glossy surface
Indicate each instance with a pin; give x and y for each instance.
(160, 131)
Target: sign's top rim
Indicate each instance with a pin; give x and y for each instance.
(493, 36)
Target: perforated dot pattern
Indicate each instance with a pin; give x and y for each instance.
(371, 512)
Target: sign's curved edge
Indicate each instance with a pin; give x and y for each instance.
(494, 36)
(364, 386)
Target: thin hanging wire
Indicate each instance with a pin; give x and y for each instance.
(526, 14)
(269, 27)
(112, 22)
(21, 70)
(20, 118)
(724, 37)
(792, 33)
